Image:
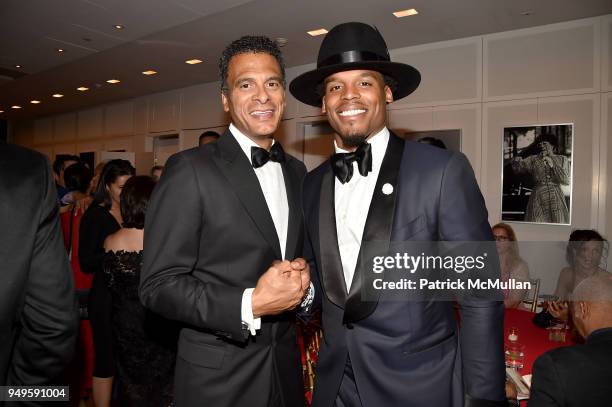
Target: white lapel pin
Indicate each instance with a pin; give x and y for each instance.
(387, 189)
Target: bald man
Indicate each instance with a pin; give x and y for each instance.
(580, 375)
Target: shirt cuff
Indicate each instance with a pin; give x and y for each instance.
(252, 323)
(308, 298)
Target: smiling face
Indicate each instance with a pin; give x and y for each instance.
(255, 97)
(355, 104)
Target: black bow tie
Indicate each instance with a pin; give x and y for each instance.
(342, 163)
(260, 156)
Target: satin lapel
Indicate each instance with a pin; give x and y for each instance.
(331, 265)
(294, 223)
(238, 170)
(377, 228)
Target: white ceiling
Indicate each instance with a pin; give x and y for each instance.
(162, 34)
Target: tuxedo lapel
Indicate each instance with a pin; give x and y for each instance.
(294, 223)
(238, 170)
(331, 265)
(377, 229)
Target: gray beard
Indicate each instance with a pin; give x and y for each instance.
(353, 140)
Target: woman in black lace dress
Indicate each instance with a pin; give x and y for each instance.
(101, 219)
(144, 342)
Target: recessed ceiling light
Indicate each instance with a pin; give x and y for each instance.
(57, 95)
(527, 13)
(15, 107)
(34, 102)
(194, 61)
(405, 13)
(113, 81)
(1, 111)
(82, 88)
(118, 26)
(149, 72)
(17, 66)
(60, 50)
(319, 31)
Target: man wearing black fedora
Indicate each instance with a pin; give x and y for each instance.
(378, 187)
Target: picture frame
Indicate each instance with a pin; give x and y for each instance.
(537, 174)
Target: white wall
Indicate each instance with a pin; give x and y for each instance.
(560, 73)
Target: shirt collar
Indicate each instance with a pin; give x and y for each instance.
(244, 142)
(378, 142)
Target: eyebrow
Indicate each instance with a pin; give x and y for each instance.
(364, 75)
(251, 79)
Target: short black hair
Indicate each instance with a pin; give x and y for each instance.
(58, 163)
(578, 238)
(135, 197)
(249, 44)
(208, 133)
(111, 171)
(546, 138)
(77, 177)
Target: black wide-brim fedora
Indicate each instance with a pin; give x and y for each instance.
(351, 46)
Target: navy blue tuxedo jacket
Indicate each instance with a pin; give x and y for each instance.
(405, 353)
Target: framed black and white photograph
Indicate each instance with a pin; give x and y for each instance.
(537, 174)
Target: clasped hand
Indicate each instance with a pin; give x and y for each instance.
(281, 287)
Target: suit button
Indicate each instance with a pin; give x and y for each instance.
(349, 326)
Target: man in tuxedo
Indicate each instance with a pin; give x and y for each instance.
(38, 309)
(222, 221)
(384, 351)
(579, 375)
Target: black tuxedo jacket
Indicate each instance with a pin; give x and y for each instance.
(575, 376)
(38, 311)
(208, 236)
(405, 353)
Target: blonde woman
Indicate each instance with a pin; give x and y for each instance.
(513, 267)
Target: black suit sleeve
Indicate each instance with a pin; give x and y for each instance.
(49, 317)
(463, 217)
(306, 313)
(173, 226)
(546, 390)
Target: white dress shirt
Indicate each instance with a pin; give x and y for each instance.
(352, 203)
(272, 184)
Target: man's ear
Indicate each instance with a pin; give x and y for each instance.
(225, 101)
(585, 309)
(323, 106)
(388, 94)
